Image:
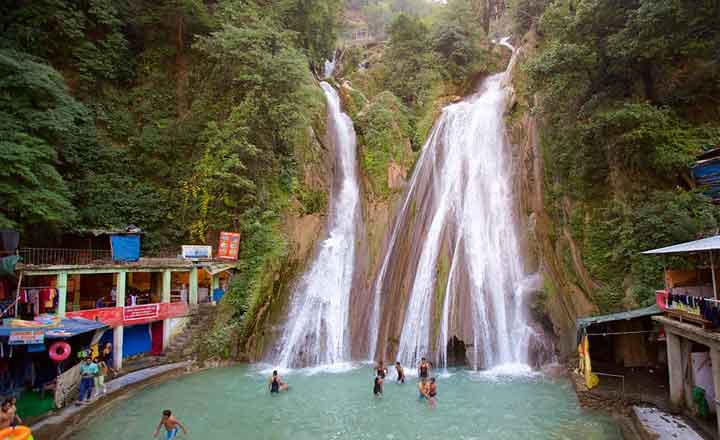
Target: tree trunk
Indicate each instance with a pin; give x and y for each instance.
(486, 16)
(181, 68)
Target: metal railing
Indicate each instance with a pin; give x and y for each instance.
(59, 256)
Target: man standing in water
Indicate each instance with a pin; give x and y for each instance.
(424, 369)
(381, 371)
(378, 387)
(400, 372)
(171, 425)
(276, 384)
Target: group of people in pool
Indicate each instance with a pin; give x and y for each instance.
(426, 386)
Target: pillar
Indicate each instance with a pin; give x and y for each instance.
(166, 286)
(120, 290)
(688, 378)
(193, 300)
(62, 280)
(118, 347)
(675, 369)
(715, 359)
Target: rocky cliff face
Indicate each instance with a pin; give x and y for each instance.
(551, 249)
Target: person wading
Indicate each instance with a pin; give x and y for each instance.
(381, 371)
(276, 384)
(378, 386)
(424, 368)
(400, 372)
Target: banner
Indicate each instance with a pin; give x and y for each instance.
(196, 252)
(137, 313)
(25, 337)
(229, 245)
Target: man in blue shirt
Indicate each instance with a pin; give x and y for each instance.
(88, 371)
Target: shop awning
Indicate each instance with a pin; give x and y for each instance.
(64, 328)
(216, 268)
(583, 323)
(703, 245)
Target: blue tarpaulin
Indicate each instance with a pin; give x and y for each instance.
(136, 340)
(67, 328)
(707, 175)
(125, 247)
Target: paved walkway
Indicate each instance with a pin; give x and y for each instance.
(664, 426)
(114, 385)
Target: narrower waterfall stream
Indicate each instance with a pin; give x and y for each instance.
(462, 266)
(317, 330)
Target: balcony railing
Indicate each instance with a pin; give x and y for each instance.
(59, 256)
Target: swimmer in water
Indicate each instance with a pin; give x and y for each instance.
(276, 384)
(378, 386)
(171, 424)
(400, 372)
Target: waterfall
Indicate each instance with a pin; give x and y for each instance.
(329, 67)
(317, 330)
(459, 208)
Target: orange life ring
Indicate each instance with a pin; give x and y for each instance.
(16, 433)
(59, 351)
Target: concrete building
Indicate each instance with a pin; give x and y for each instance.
(145, 302)
(691, 316)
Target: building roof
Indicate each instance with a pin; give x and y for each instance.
(216, 268)
(63, 328)
(583, 323)
(703, 245)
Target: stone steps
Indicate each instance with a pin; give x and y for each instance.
(183, 345)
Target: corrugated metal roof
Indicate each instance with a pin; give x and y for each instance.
(703, 245)
(620, 316)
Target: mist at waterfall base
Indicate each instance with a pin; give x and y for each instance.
(229, 403)
(459, 206)
(317, 331)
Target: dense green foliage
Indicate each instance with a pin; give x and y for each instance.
(628, 99)
(184, 117)
(185, 114)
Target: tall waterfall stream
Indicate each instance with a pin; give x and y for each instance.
(317, 330)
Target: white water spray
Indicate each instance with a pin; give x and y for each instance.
(469, 168)
(329, 67)
(317, 330)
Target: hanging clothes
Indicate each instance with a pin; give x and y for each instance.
(34, 299)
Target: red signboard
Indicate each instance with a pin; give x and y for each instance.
(229, 245)
(141, 313)
(131, 315)
(112, 316)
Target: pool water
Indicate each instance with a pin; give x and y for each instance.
(234, 403)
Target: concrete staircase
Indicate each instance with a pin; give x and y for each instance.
(183, 346)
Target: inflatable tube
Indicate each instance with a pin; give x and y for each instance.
(16, 433)
(59, 351)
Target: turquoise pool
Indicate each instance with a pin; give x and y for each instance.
(233, 403)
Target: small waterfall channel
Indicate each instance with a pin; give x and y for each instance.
(317, 328)
(461, 275)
